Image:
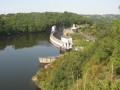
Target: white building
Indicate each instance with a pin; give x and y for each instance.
(66, 42)
(74, 28)
(53, 29)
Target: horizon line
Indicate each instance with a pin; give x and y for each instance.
(61, 12)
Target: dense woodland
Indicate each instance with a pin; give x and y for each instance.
(96, 67)
(37, 22)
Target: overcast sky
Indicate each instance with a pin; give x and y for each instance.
(76, 6)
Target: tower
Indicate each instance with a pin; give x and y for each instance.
(53, 29)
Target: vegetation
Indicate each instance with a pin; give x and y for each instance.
(22, 40)
(36, 22)
(97, 67)
(98, 24)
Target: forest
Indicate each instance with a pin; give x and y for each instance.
(96, 67)
(36, 22)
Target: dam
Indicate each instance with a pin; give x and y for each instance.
(64, 43)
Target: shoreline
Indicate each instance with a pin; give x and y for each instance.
(34, 78)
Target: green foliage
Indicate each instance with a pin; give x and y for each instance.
(63, 75)
(116, 26)
(36, 22)
(98, 25)
(22, 40)
(97, 67)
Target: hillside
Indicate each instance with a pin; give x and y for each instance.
(96, 67)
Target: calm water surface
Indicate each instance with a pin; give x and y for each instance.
(19, 59)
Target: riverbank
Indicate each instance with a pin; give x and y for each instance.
(58, 43)
(34, 78)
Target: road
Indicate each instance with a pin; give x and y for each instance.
(88, 36)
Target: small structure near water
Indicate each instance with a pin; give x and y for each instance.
(74, 28)
(47, 59)
(65, 42)
(53, 29)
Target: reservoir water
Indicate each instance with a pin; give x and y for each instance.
(19, 59)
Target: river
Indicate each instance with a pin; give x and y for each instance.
(19, 59)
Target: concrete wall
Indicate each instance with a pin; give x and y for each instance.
(65, 42)
(55, 41)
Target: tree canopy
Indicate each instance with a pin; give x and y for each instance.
(36, 22)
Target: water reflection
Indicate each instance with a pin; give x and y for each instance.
(23, 40)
